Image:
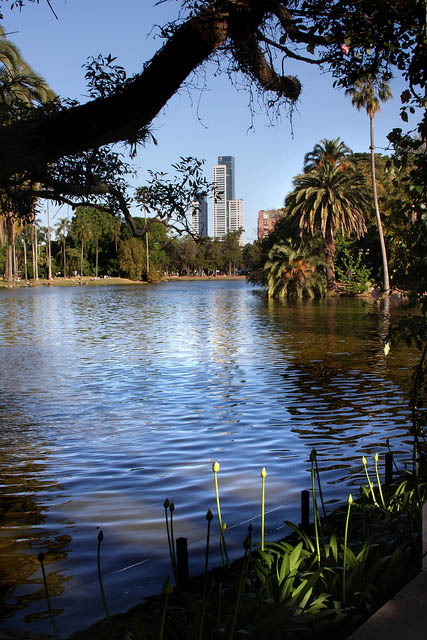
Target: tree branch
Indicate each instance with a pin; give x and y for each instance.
(123, 115)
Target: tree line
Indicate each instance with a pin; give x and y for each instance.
(329, 237)
(93, 243)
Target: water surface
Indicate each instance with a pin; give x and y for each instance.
(114, 398)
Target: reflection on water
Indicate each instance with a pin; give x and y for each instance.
(115, 398)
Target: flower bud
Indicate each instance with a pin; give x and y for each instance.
(172, 507)
(100, 536)
(350, 499)
(166, 503)
(40, 557)
(215, 467)
(263, 473)
(167, 588)
(209, 515)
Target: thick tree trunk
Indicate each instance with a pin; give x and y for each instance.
(329, 243)
(377, 209)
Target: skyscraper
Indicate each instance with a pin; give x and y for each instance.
(235, 216)
(227, 211)
(199, 217)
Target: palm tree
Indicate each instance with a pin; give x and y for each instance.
(333, 151)
(368, 93)
(293, 273)
(19, 84)
(81, 228)
(62, 228)
(326, 200)
(18, 81)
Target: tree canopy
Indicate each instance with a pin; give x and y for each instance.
(255, 37)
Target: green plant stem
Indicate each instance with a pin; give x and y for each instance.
(46, 590)
(344, 569)
(208, 537)
(104, 600)
(320, 488)
(315, 513)
(166, 507)
(263, 474)
(370, 483)
(174, 564)
(221, 528)
(379, 481)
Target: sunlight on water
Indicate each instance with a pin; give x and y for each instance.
(115, 398)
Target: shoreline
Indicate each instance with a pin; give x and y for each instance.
(91, 281)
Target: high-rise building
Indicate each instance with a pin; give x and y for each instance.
(199, 217)
(235, 216)
(227, 211)
(267, 220)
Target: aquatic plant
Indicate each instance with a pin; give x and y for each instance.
(263, 476)
(222, 526)
(41, 558)
(344, 566)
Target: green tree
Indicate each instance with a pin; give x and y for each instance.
(19, 86)
(81, 230)
(332, 151)
(62, 229)
(131, 257)
(294, 272)
(101, 227)
(248, 36)
(367, 94)
(326, 200)
(232, 252)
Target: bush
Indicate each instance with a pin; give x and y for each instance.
(353, 275)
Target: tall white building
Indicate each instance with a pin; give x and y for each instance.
(227, 211)
(235, 216)
(199, 217)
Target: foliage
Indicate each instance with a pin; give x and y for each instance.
(368, 92)
(326, 200)
(308, 586)
(353, 275)
(131, 258)
(332, 151)
(294, 273)
(169, 199)
(345, 40)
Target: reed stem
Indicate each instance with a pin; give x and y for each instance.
(46, 590)
(344, 569)
(263, 476)
(104, 600)
(379, 481)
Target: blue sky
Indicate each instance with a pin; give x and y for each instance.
(204, 124)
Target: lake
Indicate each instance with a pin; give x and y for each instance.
(115, 398)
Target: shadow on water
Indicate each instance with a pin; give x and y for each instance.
(23, 515)
(348, 399)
